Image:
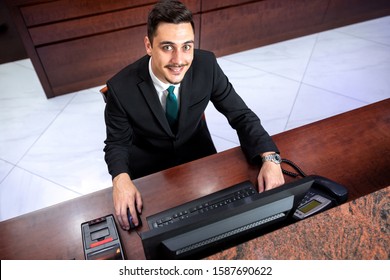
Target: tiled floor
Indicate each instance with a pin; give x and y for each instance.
(51, 150)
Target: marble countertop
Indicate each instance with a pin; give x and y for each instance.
(358, 230)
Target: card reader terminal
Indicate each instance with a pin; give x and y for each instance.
(101, 240)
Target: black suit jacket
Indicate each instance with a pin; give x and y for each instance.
(139, 139)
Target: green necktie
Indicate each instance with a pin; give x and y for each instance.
(172, 108)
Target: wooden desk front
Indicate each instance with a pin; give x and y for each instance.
(352, 148)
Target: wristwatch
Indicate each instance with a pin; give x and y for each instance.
(272, 157)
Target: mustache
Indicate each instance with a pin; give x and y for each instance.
(176, 65)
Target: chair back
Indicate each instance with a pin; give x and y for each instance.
(104, 92)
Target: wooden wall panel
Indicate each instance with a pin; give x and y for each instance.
(91, 61)
(251, 25)
(11, 45)
(351, 11)
(87, 26)
(218, 4)
(61, 10)
(76, 44)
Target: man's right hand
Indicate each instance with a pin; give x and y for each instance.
(126, 195)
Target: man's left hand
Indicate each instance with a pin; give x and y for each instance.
(270, 176)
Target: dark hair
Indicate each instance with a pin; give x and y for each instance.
(168, 11)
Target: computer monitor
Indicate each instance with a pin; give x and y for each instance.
(188, 239)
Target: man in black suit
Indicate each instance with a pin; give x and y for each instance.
(151, 128)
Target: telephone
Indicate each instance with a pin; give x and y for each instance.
(323, 194)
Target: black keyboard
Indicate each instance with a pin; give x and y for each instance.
(212, 203)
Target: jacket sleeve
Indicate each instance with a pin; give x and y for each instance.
(254, 139)
(119, 136)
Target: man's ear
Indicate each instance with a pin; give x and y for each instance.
(148, 46)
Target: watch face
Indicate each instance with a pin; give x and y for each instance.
(277, 158)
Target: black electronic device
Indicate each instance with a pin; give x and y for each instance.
(191, 235)
(131, 222)
(101, 240)
(193, 227)
(323, 194)
(197, 209)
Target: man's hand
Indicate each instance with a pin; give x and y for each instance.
(126, 195)
(270, 176)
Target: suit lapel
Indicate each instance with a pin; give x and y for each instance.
(185, 95)
(149, 92)
(151, 98)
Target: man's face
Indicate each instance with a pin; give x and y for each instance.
(172, 51)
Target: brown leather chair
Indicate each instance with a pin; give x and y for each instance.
(104, 92)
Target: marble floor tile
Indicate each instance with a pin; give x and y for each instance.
(25, 113)
(270, 96)
(350, 66)
(23, 192)
(5, 169)
(70, 152)
(288, 59)
(376, 30)
(314, 104)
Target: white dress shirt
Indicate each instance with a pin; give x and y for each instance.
(161, 88)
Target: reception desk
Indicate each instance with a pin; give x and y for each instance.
(352, 149)
(358, 230)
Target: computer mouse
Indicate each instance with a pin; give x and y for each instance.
(132, 225)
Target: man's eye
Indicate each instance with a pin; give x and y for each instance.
(187, 47)
(167, 48)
